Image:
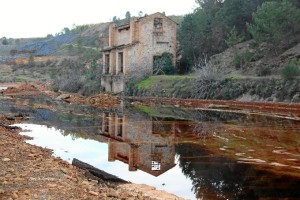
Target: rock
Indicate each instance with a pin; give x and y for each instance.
(63, 96)
(5, 159)
(85, 183)
(64, 171)
(27, 192)
(15, 195)
(112, 193)
(51, 185)
(94, 193)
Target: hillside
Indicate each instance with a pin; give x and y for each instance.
(71, 61)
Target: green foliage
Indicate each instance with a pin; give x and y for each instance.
(147, 110)
(17, 42)
(237, 60)
(15, 68)
(204, 32)
(49, 36)
(273, 20)
(5, 41)
(66, 30)
(80, 76)
(31, 62)
(145, 84)
(140, 14)
(291, 70)
(233, 38)
(127, 16)
(79, 28)
(115, 19)
(263, 71)
(164, 64)
(247, 55)
(150, 81)
(240, 59)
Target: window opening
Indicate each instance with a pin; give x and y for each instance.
(158, 22)
(106, 64)
(121, 62)
(120, 128)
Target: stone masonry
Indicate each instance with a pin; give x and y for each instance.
(133, 47)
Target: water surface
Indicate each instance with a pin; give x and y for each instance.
(193, 154)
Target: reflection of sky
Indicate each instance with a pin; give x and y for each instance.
(96, 154)
(2, 88)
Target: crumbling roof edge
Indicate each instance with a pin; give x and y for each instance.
(119, 46)
(155, 14)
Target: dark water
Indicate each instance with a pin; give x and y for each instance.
(194, 154)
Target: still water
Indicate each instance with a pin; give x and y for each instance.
(191, 153)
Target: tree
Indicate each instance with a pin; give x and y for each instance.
(66, 30)
(233, 38)
(212, 26)
(49, 36)
(115, 19)
(128, 15)
(273, 20)
(31, 62)
(5, 41)
(17, 42)
(140, 14)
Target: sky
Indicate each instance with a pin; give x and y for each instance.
(37, 18)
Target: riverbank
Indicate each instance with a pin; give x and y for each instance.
(239, 88)
(31, 172)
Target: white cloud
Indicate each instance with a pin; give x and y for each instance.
(37, 18)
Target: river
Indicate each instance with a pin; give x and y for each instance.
(194, 154)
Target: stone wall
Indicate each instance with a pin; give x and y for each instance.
(138, 42)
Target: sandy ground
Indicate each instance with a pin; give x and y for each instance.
(31, 172)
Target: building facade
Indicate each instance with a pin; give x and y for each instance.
(140, 145)
(133, 48)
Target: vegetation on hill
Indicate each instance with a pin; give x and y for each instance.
(215, 25)
(219, 41)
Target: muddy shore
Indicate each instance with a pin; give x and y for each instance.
(31, 172)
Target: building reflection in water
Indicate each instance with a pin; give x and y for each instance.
(136, 140)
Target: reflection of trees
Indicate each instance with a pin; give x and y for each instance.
(207, 122)
(220, 178)
(212, 177)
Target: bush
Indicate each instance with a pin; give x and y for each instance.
(233, 38)
(240, 59)
(263, 71)
(290, 71)
(247, 55)
(237, 61)
(164, 64)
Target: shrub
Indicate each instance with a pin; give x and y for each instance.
(164, 64)
(263, 71)
(233, 38)
(237, 61)
(240, 59)
(247, 56)
(290, 71)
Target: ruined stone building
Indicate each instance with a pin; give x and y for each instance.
(133, 47)
(139, 145)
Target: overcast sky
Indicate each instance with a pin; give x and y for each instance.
(37, 18)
